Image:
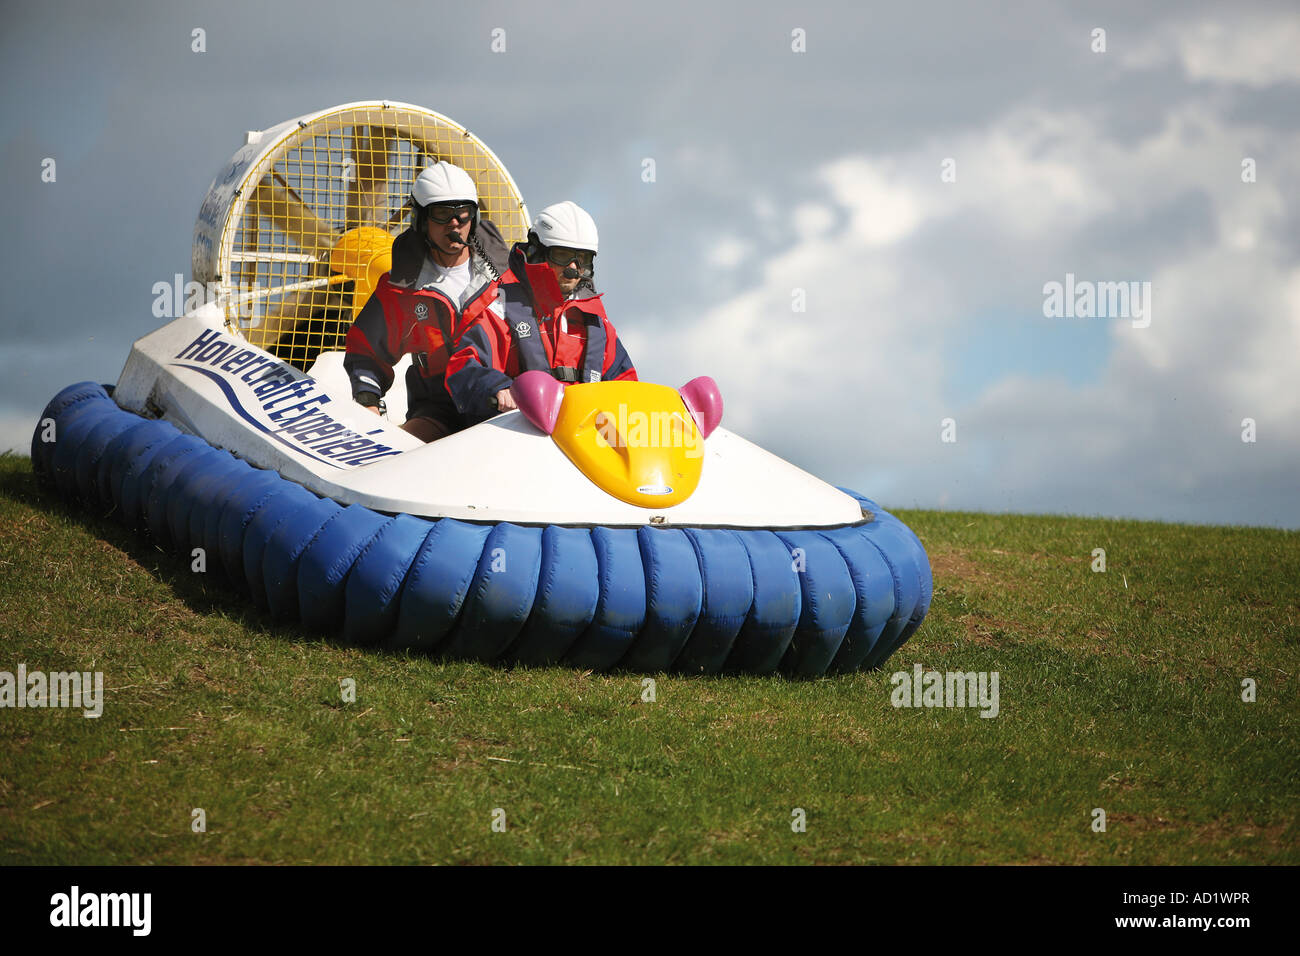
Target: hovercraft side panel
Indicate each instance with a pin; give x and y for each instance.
(210, 383)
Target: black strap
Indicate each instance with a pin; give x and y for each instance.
(593, 362)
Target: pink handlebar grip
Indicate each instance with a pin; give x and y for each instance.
(704, 402)
(538, 396)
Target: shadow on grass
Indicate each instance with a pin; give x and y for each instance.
(208, 593)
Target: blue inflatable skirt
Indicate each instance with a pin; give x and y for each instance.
(692, 600)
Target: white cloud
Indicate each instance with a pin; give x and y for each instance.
(881, 210)
(812, 219)
(853, 388)
(1255, 49)
(728, 252)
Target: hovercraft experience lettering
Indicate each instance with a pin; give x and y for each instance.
(290, 403)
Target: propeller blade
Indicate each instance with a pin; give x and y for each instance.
(367, 201)
(278, 202)
(398, 215)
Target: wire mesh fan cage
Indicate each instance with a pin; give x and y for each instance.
(309, 227)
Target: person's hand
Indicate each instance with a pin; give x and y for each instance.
(505, 401)
(371, 408)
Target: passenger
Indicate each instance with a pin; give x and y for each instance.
(545, 314)
(447, 259)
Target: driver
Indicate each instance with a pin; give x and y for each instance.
(544, 313)
(442, 264)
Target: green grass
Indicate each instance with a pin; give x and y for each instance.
(1119, 690)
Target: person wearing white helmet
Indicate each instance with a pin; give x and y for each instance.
(568, 234)
(448, 258)
(544, 313)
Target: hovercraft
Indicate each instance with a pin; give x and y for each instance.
(601, 525)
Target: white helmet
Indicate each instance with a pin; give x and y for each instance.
(566, 224)
(443, 182)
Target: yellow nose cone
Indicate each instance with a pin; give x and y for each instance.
(635, 440)
(363, 255)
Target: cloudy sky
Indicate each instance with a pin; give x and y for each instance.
(911, 175)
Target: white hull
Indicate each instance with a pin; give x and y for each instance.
(212, 384)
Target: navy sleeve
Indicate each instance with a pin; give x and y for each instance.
(368, 362)
(471, 381)
(621, 365)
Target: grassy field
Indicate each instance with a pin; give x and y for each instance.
(1119, 690)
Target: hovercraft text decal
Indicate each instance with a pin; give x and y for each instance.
(274, 385)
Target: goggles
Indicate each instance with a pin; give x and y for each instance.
(445, 214)
(562, 256)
